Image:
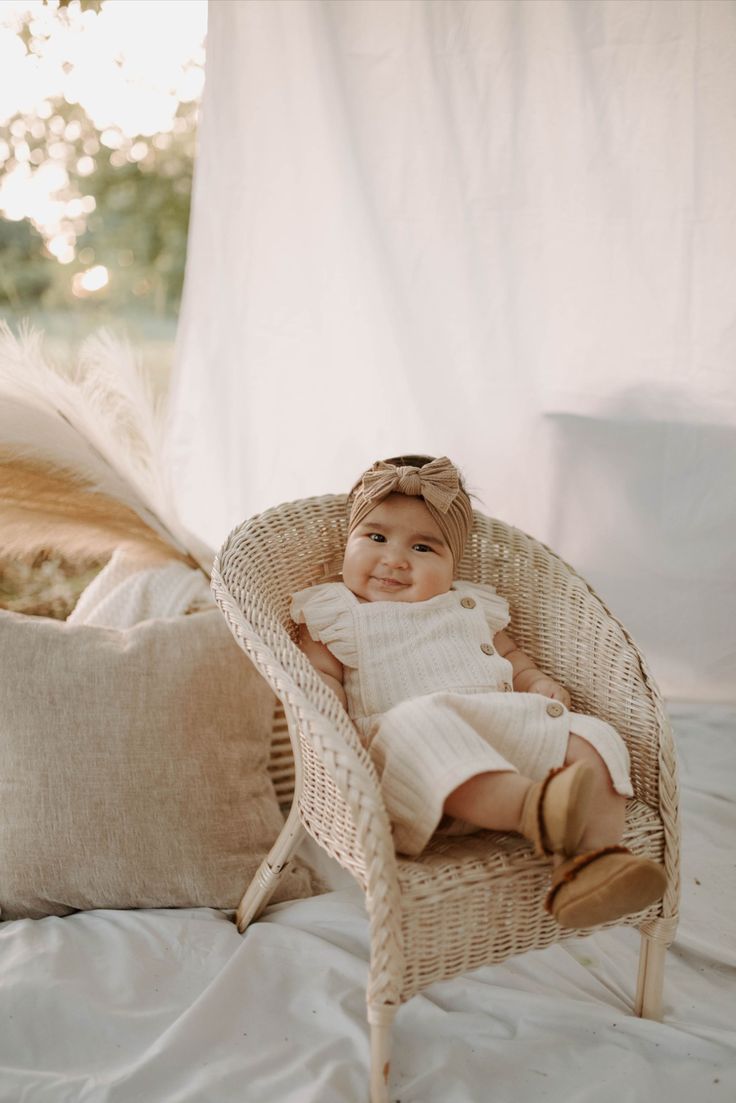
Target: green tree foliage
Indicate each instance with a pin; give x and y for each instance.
(138, 228)
(25, 273)
(132, 213)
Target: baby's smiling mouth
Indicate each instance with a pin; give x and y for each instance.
(390, 582)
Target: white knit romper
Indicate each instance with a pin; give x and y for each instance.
(432, 699)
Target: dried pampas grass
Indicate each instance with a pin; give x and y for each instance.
(42, 506)
(81, 455)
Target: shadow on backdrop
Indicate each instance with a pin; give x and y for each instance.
(645, 508)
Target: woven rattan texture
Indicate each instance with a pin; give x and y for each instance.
(484, 881)
(281, 759)
(466, 901)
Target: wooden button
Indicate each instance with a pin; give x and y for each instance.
(487, 649)
(468, 603)
(554, 708)
(507, 687)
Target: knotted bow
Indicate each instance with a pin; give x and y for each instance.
(436, 482)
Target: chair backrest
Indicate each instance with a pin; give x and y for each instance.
(555, 616)
(268, 558)
(262, 563)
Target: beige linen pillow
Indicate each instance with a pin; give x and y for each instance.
(132, 767)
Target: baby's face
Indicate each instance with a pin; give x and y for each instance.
(397, 553)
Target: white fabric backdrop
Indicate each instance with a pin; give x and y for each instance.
(503, 231)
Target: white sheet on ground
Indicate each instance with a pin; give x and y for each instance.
(176, 1007)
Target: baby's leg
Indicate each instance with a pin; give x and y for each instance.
(603, 881)
(496, 800)
(551, 813)
(491, 800)
(606, 825)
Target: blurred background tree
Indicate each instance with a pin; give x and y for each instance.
(98, 118)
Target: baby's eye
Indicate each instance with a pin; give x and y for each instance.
(422, 548)
(377, 536)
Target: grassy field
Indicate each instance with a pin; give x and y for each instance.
(152, 337)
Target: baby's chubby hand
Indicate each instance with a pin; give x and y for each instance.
(548, 687)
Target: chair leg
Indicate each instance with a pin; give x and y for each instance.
(263, 885)
(649, 986)
(380, 1019)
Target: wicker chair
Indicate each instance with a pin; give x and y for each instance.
(466, 901)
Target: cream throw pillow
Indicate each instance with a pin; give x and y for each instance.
(132, 767)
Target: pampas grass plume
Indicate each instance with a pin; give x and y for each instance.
(81, 454)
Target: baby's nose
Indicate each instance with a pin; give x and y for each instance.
(395, 557)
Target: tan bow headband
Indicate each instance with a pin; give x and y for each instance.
(437, 483)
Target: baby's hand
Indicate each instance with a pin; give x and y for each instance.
(548, 687)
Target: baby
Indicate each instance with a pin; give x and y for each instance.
(465, 730)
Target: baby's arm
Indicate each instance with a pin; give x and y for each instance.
(528, 678)
(329, 668)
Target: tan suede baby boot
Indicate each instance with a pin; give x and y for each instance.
(555, 811)
(603, 885)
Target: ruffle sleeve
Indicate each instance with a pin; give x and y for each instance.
(328, 614)
(495, 607)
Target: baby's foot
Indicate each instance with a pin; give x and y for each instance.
(555, 811)
(603, 885)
